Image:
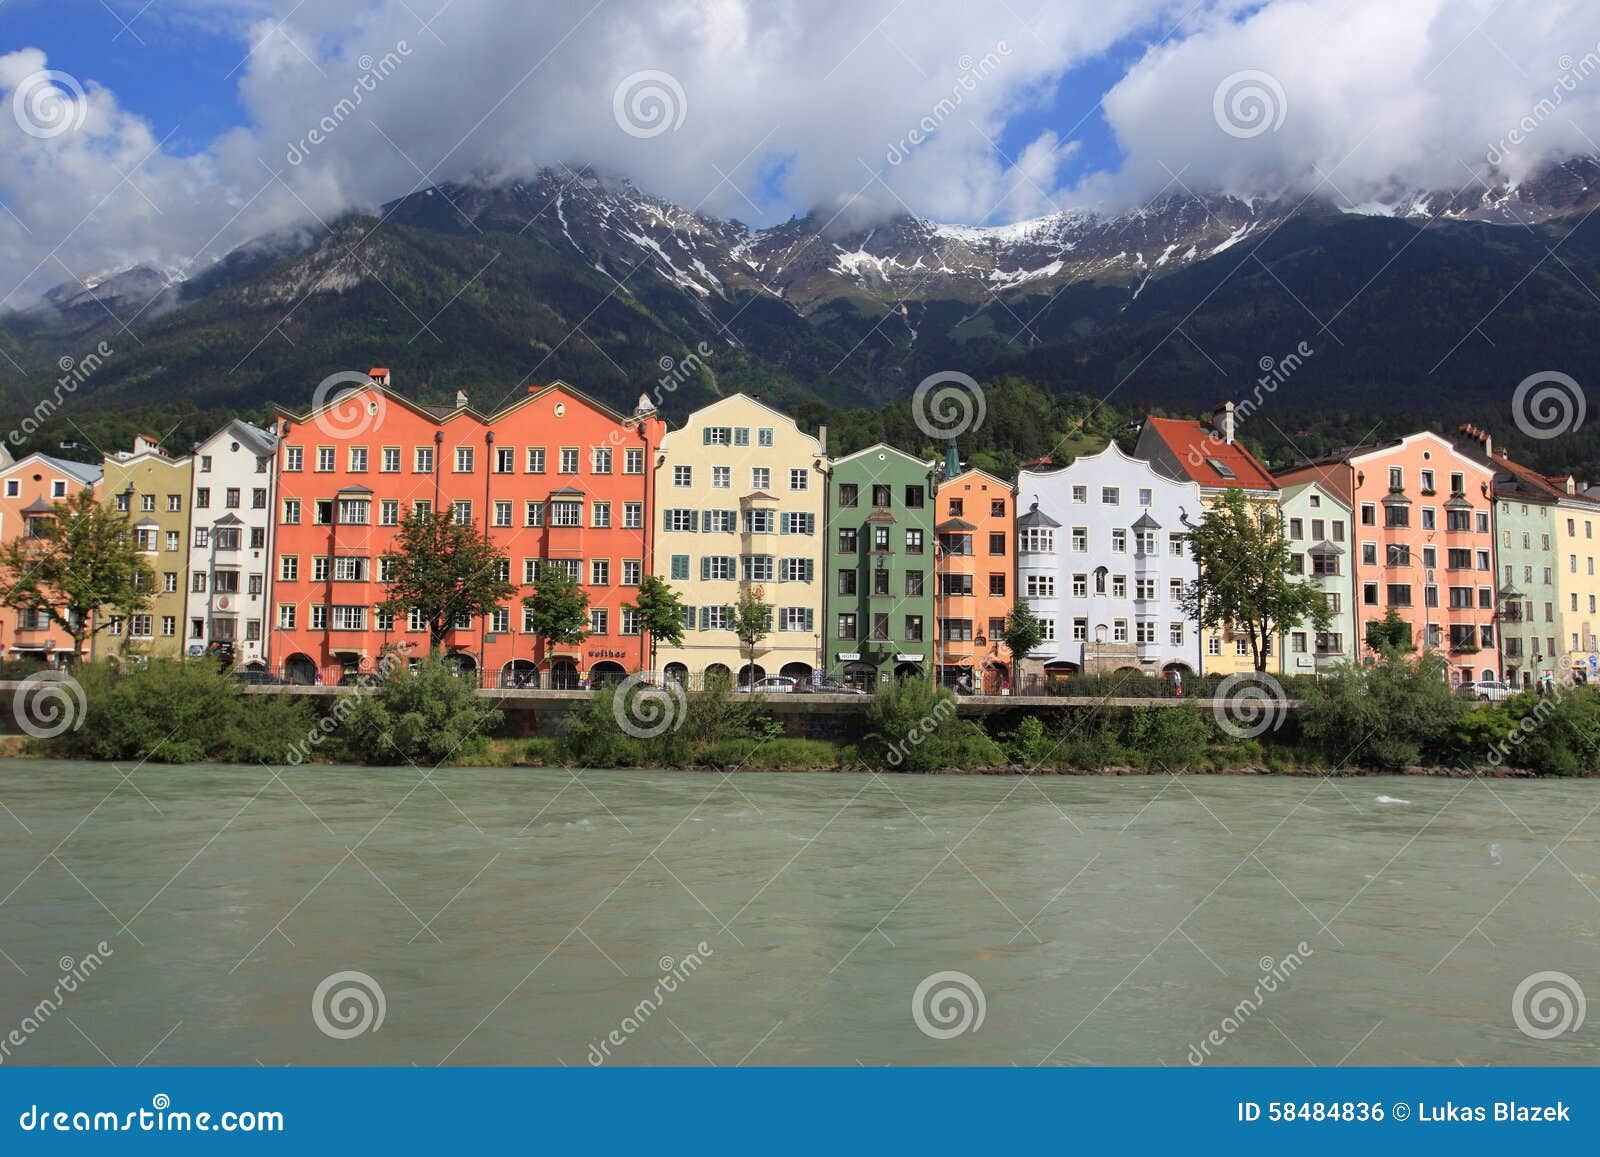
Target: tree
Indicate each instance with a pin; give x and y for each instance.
(80, 559)
(1023, 632)
(660, 612)
(443, 570)
(558, 608)
(1390, 633)
(1244, 580)
(421, 717)
(752, 622)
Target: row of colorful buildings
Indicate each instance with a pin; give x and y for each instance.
(268, 545)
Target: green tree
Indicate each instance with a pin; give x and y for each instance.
(1390, 633)
(1244, 581)
(558, 608)
(444, 570)
(422, 717)
(1388, 715)
(752, 622)
(1023, 632)
(78, 560)
(660, 612)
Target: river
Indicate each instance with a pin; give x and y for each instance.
(510, 916)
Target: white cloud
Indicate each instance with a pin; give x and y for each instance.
(820, 92)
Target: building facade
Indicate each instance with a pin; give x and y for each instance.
(1208, 452)
(153, 490)
(742, 495)
(976, 515)
(1317, 527)
(1424, 544)
(555, 479)
(1577, 516)
(29, 490)
(1103, 560)
(228, 607)
(881, 564)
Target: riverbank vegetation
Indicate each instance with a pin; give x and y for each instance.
(1394, 713)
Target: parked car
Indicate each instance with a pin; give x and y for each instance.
(771, 685)
(255, 677)
(832, 685)
(1486, 690)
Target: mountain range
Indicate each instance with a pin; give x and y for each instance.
(487, 287)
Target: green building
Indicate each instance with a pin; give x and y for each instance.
(880, 562)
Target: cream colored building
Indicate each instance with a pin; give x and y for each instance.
(1577, 547)
(739, 498)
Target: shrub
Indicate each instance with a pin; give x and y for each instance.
(425, 717)
(912, 726)
(1388, 715)
(1552, 735)
(178, 711)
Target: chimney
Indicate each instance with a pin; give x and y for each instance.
(461, 399)
(822, 437)
(379, 375)
(1222, 420)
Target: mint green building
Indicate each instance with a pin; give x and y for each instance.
(1319, 528)
(880, 567)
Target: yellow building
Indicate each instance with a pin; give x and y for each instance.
(739, 496)
(1577, 525)
(153, 490)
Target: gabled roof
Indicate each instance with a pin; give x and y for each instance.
(881, 514)
(970, 471)
(88, 473)
(927, 463)
(1036, 517)
(953, 524)
(1145, 522)
(1205, 457)
(39, 506)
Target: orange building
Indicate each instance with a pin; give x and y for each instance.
(554, 477)
(974, 521)
(29, 490)
(1422, 541)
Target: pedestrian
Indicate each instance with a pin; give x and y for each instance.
(1177, 684)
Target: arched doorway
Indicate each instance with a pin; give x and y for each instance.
(564, 675)
(1060, 672)
(300, 669)
(255, 665)
(607, 672)
(908, 671)
(996, 678)
(799, 672)
(676, 673)
(751, 674)
(463, 665)
(519, 673)
(718, 675)
(860, 676)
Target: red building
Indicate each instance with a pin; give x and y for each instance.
(554, 477)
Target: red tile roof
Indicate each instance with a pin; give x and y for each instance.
(1196, 445)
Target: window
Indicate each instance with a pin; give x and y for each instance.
(202, 537)
(1119, 541)
(799, 478)
(913, 583)
(915, 497)
(794, 619)
(202, 498)
(632, 568)
(1175, 634)
(718, 567)
(633, 461)
(358, 459)
(761, 478)
(1037, 540)
(760, 521)
(601, 460)
(389, 512)
(355, 511)
(293, 460)
(679, 569)
(505, 460)
(681, 519)
(683, 476)
(800, 522)
(997, 543)
(847, 582)
(422, 462)
(764, 436)
(535, 460)
(324, 459)
(600, 515)
(286, 616)
(569, 460)
(231, 498)
(566, 513)
(533, 513)
(600, 572)
(463, 460)
(722, 478)
(882, 495)
(721, 521)
(632, 515)
(389, 460)
(1110, 495)
(1038, 586)
(913, 542)
(795, 570)
(348, 618)
(757, 568)
(350, 569)
(847, 541)
(847, 626)
(997, 585)
(716, 436)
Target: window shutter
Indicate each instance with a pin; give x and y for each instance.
(810, 623)
(705, 618)
(666, 520)
(705, 567)
(694, 520)
(810, 574)
(783, 524)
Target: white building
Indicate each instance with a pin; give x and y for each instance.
(230, 558)
(1103, 560)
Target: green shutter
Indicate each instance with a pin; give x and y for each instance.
(705, 567)
(694, 520)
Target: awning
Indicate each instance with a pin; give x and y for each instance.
(908, 658)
